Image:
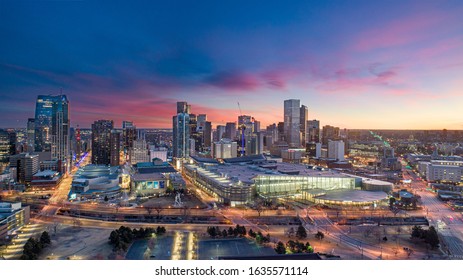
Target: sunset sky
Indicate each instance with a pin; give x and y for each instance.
(354, 64)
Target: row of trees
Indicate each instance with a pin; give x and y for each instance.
(429, 236)
(260, 239)
(300, 233)
(122, 237)
(33, 246)
(231, 232)
(293, 247)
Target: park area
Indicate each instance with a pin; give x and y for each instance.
(70, 242)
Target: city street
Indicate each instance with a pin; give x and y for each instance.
(448, 223)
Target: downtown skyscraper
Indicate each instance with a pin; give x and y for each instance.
(292, 113)
(52, 126)
(43, 115)
(181, 131)
(60, 135)
(304, 115)
(101, 141)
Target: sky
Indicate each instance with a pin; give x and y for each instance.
(354, 64)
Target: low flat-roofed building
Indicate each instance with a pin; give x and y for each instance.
(369, 184)
(444, 171)
(237, 183)
(149, 184)
(46, 180)
(92, 181)
(151, 178)
(155, 166)
(356, 198)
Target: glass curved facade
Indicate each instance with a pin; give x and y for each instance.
(277, 185)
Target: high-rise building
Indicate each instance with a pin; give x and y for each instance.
(313, 131)
(304, 115)
(78, 144)
(181, 131)
(127, 124)
(183, 107)
(193, 124)
(230, 130)
(271, 135)
(253, 144)
(129, 135)
(60, 133)
(260, 142)
(330, 133)
(115, 148)
(281, 132)
(192, 147)
(292, 115)
(139, 152)
(43, 122)
(101, 141)
(201, 122)
(336, 150)
(207, 135)
(52, 128)
(30, 134)
(4, 146)
(195, 135)
(26, 165)
(256, 127)
(12, 138)
(220, 132)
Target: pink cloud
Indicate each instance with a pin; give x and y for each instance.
(400, 32)
(358, 79)
(234, 81)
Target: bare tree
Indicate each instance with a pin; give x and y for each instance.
(55, 227)
(259, 206)
(76, 222)
(149, 209)
(158, 210)
(186, 212)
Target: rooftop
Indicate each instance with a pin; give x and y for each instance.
(245, 173)
(94, 171)
(148, 176)
(152, 167)
(46, 173)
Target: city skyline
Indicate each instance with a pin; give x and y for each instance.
(384, 65)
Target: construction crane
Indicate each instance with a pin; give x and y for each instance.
(242, 127)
